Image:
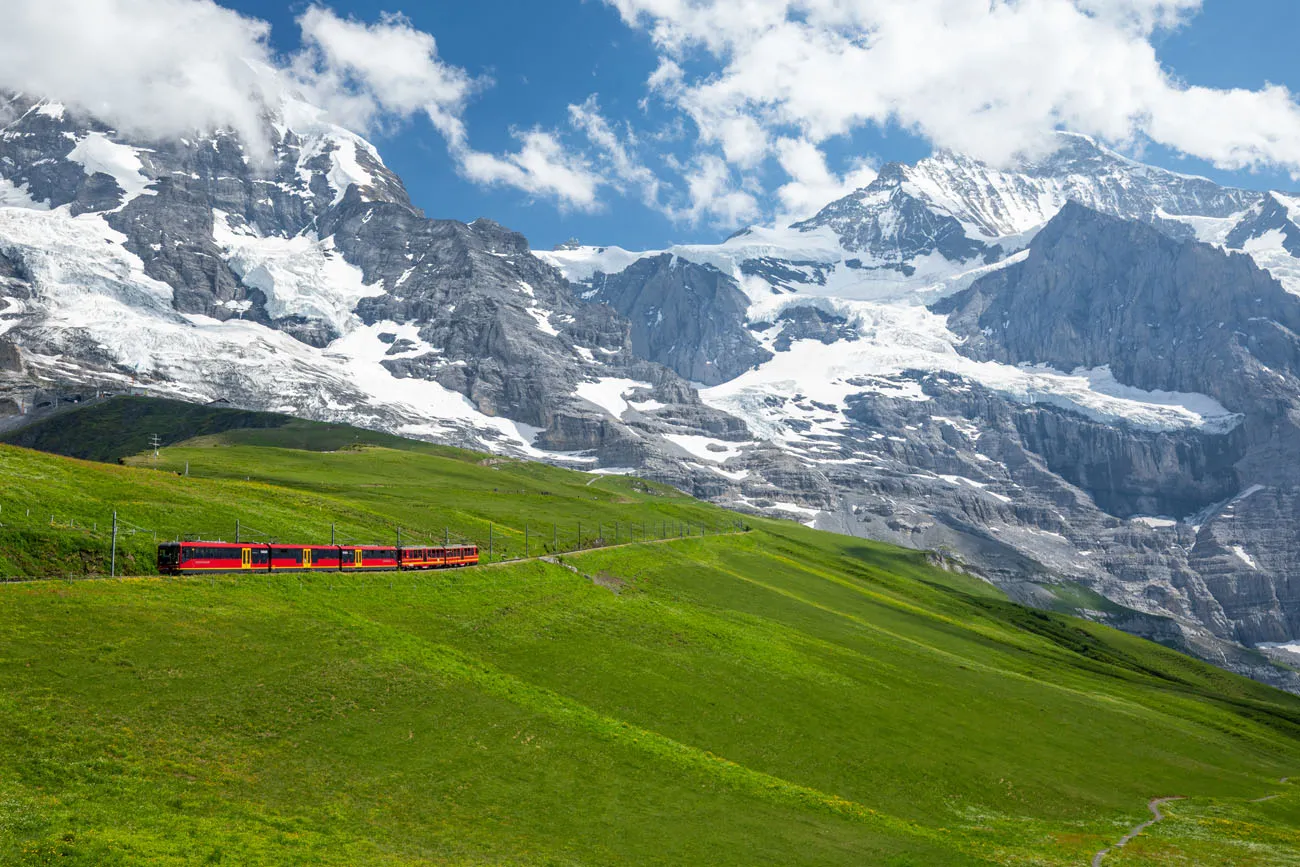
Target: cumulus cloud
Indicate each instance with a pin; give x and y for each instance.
(168, 68)
(715, 197)
(360, 72)
(812, 184)
(541, 166)
(991, 78)
(152, 67)
(617, 150)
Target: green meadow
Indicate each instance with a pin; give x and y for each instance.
(755, 692)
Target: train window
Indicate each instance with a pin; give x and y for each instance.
(293, 555)
(259, 557)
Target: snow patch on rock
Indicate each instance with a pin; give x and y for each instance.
(97, 153)
(608, 392)
(302, 275)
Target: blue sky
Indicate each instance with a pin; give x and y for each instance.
(539, 58)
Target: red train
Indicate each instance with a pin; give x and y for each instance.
(189, 558)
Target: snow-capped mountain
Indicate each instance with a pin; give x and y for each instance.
(1119, 426)
(1039, 370)
(303, 280)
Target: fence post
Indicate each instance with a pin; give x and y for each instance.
(112, 558)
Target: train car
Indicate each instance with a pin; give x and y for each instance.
(439, 557)
(460, 555)
(421, 558)
(183, 558)
(192, 558)
(305, 558)
(368, 558)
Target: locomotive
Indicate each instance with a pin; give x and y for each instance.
(192, 558)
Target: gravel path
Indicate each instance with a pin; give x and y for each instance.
(1154, 806)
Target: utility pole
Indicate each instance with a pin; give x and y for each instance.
(446, 537)
(331, 532)
(112, 558)
(489, 542)
(579, 535)
(525, 541)
(236, 531)
(155, 442)
(399, 537)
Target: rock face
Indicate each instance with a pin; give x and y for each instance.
(304, 280)
(1162, 314)
(892, 225)
(963, 210)
(1059, 374)
(1174, 316)
(685, 316)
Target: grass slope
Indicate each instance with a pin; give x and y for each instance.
(123, 425)
(775, 697)
(55, 514)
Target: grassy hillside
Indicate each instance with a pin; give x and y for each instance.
(56, 514)
(124, 425)
(779, 696)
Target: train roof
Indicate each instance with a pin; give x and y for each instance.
(218, 544)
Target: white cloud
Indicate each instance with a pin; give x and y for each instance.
(151, 67)
(987, 77)
(360, 72)
(812, 185)
(540, 167)
(624, 170)
(365, 71)
(714, 197)
(169, 68)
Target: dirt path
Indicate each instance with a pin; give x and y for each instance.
(550, 557)
(1154, 806)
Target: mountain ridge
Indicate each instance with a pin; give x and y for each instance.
(811, 371)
